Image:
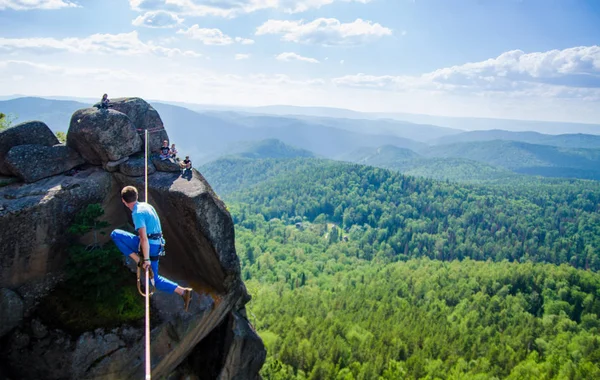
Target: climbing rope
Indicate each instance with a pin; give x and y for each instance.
(148, 294)
(149, 272)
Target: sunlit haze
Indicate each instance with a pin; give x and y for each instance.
(523, 59)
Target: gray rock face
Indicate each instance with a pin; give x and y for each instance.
(11, 310)
(200, 253)
(4, 180)
(246, 354)
(38, 330)
(31, 132)
(143, 116)
(113, 166)
(46, 358)
(34, 218)
(135, 167)
(34, 162)
(167, 165)
(103, 135)
(198, 230)
(92, 347)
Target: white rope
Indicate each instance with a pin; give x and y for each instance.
(148, 367)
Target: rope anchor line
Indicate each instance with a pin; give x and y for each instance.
(148, 271)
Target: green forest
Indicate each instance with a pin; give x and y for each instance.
(364, 273)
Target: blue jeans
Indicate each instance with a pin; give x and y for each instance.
(129, 243)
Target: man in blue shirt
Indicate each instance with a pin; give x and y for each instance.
(147, 224)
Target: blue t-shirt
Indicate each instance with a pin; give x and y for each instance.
(144, 215)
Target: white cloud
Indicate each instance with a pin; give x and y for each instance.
(157, 19)
(242, 56)
(325, 31)
(206, 35)
(119, 44)
(182, 80)
(295, 57)
(573, 72)
(25, 5)
(212, 36)
(244, 41)
(27, 68)
(581, 63)
(230, 8)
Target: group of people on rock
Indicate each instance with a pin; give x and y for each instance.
(167, 152)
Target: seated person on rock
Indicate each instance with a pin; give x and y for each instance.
(165, 151)
(105, 102)
(147, 223)
(186, 164)
(173, 151)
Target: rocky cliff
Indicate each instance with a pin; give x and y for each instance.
(103, 153)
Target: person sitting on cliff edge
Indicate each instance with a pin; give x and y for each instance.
(165, 151)
(147, 224)
(105, 102)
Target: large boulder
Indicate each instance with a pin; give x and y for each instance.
(11, 310)
(103, 135)
(136, 167)
(143, 116)
(33, 220)
(165, 165)
(31, 132)
(33, 162)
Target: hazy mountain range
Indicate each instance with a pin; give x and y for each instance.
(414, 148)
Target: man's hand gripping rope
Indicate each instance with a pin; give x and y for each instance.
(144, 264)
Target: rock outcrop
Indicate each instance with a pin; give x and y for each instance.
(34, 219)
(33, 162)
(143, 116)
(103, 135)
(246, 353)
(200, 252)
(166, 165)
(136, 167)
(31, 132)
(11, 310)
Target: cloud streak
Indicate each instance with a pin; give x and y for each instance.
(325, 31)
(212, 36)
(26, 5)
(572, 72)
(157, 19)
(286, 57)
(230, 8)
(119, 44)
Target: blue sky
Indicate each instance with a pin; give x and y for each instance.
(527, 59)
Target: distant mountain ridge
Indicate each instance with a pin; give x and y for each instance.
(526, 158)
(412, 163)
(449, 122)
(392, 144)
(55, 113)
(270, 148)
(577, 140)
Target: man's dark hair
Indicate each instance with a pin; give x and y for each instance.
(129, 194)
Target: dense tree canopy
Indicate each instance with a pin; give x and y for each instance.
(363, 273)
